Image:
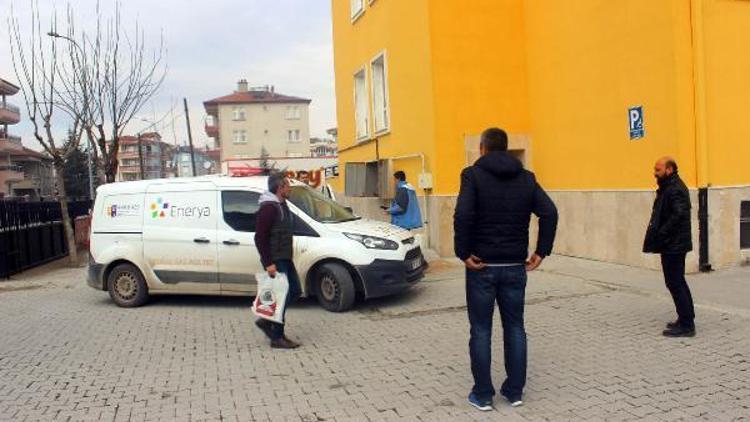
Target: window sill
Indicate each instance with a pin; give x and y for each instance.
(358, 15)
(363, 138)
(382, 132)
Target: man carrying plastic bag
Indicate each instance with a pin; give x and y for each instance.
(273, 238)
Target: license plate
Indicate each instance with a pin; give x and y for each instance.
(415, 264)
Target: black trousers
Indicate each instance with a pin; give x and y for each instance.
(673, 266)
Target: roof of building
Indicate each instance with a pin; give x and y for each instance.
(256, 96)
(219, 181)
(30, 153)
(146, 138)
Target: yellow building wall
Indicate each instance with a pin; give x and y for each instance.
(561, 73)
(726, 37)
(588, 62)
(401, 29)
(479, 76)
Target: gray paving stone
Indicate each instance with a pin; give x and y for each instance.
(595, 353)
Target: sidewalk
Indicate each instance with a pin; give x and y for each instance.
(724, 291)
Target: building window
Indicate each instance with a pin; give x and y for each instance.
(240, 137)
(745, 225)
(293, 113)
(293, 135)
(361, 110)
(367, 179)
(238, 113)
(380, 110)
(358, 8)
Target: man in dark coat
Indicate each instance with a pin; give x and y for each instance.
(669, 234)
(491, 226)
(274, 230)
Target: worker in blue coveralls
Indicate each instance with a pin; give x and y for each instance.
(404, 209)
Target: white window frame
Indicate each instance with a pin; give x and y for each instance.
(238, 114)
(293, 112)
(239, 137)
(386, 109)
(355, 14)
(293, 136)
(357, 136)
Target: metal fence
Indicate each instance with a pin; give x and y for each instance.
(31, 233)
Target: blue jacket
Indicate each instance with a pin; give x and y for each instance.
(404, 208)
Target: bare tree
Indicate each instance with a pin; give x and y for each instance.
(36, 64)
(117, 75)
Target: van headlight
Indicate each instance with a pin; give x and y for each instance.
(372, 242)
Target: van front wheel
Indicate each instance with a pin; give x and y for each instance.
(334, 288)
(127, 286)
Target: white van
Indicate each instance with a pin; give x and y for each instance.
(195, 236)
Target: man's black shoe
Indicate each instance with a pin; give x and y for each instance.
(673, 324)
(264, 326)
(284, 343)
(679, 331)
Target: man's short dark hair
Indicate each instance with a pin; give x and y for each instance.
(494, 139)
(275, 181)
(400, 175)
(671, 164)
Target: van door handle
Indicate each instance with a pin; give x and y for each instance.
(231, 242)
(201, 240)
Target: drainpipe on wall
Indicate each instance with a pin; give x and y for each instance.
(701, 144)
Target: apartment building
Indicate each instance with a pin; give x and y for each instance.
(23, 172)
(252, 119)
(155, 158)
(591, 92)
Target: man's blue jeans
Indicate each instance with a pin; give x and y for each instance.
(505, 286)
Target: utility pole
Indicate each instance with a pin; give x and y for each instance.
(140, 154)
(190, 136)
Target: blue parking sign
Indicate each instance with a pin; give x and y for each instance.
(635, 120)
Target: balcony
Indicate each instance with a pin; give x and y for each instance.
(10, 143)
(7, 88)
(9, 114)
(212, 131)
(11, 173)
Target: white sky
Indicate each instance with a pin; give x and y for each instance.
(211, 45)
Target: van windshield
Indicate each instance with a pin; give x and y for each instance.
(318, 206)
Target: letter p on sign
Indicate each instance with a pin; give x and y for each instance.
(635, 120)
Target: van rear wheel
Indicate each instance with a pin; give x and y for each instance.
(334, 288)
(126, 286)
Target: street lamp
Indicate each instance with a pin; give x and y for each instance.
(53, 34)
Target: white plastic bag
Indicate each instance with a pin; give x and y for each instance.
(271, 298)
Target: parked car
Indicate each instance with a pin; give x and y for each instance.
(196, 236)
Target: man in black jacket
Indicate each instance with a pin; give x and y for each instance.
(669, 234)
(491, 225)
(274, 236)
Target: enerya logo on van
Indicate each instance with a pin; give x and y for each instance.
(161, 209)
